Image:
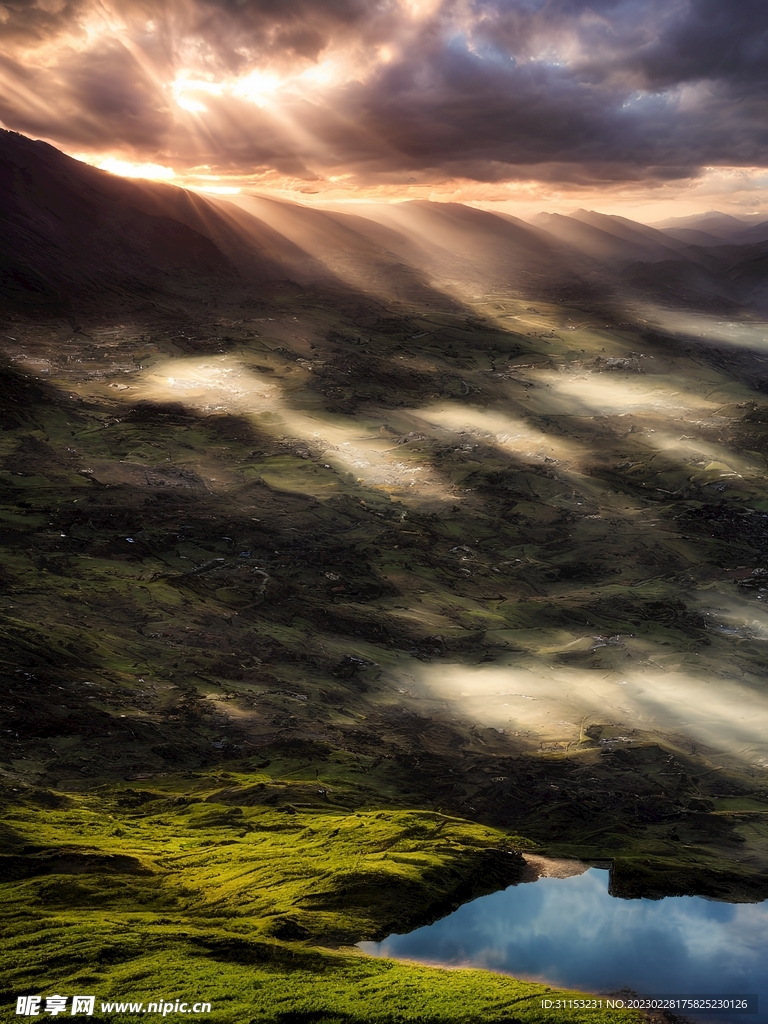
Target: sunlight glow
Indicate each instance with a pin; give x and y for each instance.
(127, 169)
(217, 190)
(262, 86)
(589, 393)
(193, 106)
(420, 10)
(695, 324)
(327, 72)
(183, 86)
(550, 702)
(507, 432)
(258, 87)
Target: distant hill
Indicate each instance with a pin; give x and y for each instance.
(691, 236)
(467, 252)
(714, 225)
(623, 227)
(717, 263)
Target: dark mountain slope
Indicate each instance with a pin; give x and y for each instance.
(690, 236)
(682, 283)
(72, 235)
(74, 238)
(339, 246)
(723, 277)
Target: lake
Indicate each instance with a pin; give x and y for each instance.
(570, 932)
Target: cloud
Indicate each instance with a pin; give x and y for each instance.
(423, 90)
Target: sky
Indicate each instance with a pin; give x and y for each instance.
(649, 108)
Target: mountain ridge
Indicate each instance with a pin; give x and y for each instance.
(75, 236)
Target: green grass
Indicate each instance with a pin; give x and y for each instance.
(143, 895)
(248, 981)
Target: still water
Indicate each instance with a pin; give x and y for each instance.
(569, 932)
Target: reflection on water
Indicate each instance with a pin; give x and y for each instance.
(570, 932)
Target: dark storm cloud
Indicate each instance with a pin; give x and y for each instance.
(87, 100)
(24, 22)
(490, 89)
(662, 43)
(294, 26)
(711, 40)
(609, 90)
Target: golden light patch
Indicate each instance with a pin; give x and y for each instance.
(551, 703)
(343, 445)
(509, 433)
(128, 169)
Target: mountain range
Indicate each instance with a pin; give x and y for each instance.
(75, 236)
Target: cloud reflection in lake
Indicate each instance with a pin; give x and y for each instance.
(570, 932)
